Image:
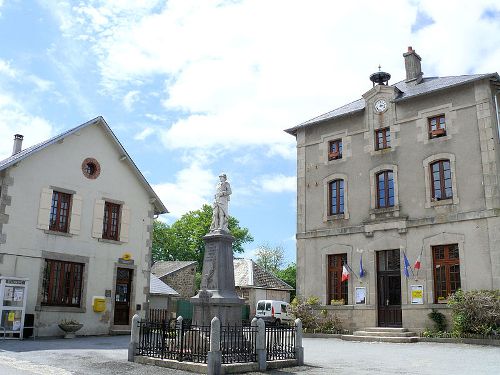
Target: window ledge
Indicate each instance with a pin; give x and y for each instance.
(105, 240)
(335, 161)
(56, 233)
(336, 217)
(60, 309)
(440, 138)
(441, 202)
(383, 151)
(384, 210)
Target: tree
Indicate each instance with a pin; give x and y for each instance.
(183, 240)
(289, 276)
(270, 258)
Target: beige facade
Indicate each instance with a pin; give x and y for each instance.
(418, 219)
(94, 258)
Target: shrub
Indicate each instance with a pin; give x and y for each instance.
(439, 320)
(475, 311)
(305, 310)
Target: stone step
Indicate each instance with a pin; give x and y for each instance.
(385, 329)
(399, 340)
(117, 332)
(384, 334)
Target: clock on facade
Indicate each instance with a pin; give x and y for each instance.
(380, 105)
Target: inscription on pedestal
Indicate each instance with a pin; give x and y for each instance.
(209, 268)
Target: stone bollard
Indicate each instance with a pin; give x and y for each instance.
(134, 337)
(261, 345)
(299, 349)
(214, 359)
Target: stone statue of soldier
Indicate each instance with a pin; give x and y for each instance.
(220, 216)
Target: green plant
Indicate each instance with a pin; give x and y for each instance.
(303, 309)
(313, 301)
(439, 320)
(69, 322)
(475, 311)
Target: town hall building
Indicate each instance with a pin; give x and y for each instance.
(409, 173)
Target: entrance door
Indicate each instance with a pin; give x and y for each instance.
(122, 296)
(389, 288)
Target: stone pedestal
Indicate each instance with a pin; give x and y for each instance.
(217, 296)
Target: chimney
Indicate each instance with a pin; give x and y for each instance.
(412, 66)
(18, 144)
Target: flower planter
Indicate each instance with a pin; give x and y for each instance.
(70, 330)
(438, 132)
(333, 155)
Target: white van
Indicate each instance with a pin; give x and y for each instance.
(276, 312)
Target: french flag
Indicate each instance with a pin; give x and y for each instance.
(345, 273)
(417, 263)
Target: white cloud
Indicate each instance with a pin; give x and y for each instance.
(141, 136)
(6, 68)
(277, 183)
(192, 188)
(129, 99)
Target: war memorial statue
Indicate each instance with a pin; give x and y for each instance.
(217, 296)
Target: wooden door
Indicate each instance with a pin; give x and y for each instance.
(122, 296)
(389, 288)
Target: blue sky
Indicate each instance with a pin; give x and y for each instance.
(193, 88)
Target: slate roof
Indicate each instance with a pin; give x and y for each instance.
(404, 91)
(156, 286)
(247, 273)
(11, 160)
(163, 267)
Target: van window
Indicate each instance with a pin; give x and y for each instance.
(268, 306)
(283, 308)
(260, 306)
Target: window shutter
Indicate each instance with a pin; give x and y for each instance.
(44, 210)
(76, 214)
(98, 218)
(124, 224)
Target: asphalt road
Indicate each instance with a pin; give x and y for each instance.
(108, 355)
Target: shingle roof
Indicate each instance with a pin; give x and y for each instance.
(156, 286)
(163, 267)
(11, 160)
(247, 273)
(404, 91)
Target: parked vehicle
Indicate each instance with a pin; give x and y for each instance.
(275, 312)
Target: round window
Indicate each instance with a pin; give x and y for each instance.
(91, 168)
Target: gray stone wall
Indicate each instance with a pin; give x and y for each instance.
(182, 281)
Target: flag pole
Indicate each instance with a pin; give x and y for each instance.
(411, 268)
(350, 269)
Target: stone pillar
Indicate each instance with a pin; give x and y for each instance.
(218, 295)
(134, 337)
(214, 359)
(261, 343)
(299, 349)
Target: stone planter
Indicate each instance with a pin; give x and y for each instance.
(70, 330)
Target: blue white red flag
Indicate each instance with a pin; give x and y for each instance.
(407, 265)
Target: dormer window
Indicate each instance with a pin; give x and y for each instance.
(437, 126)
(335, 150)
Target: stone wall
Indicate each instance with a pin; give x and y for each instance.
(182, 281)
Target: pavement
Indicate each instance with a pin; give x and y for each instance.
(108, 355)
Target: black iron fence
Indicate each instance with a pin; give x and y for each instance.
(238, 344)
(157, 315)
(280, 342)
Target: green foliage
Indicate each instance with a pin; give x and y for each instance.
(183, 240)
(289, 276)
(475, 311)
(270, 258)
(312, 319)
(439, 320)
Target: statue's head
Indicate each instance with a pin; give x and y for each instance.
(222, 177)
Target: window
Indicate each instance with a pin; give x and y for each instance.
(336, 190)
(59, 211)
(437, 126)
(441, 180)
(446, 271)
(335, 149)
(382, 139)
(111, 221)
(337, 290)
(62, 283)
(385, 189)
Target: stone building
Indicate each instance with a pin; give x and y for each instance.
(76, 219)
(409, 169)
(180, 275)
(254, 283)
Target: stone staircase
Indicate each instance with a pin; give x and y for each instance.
(382, 334)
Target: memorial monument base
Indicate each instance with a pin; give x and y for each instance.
(217, 296)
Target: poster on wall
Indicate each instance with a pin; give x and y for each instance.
(8, 293)
(417, 294)
(18, 294)
(360, 295)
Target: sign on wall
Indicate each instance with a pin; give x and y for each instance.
(417, 294)
(360, 295)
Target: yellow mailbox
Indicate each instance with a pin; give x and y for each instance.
(99, 304)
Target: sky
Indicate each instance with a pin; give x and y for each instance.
(196, 88)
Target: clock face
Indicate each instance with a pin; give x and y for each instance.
(380, 105)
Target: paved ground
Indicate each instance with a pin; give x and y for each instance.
(108, 355)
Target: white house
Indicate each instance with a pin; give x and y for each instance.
(76, 219)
